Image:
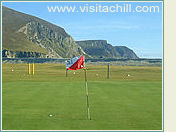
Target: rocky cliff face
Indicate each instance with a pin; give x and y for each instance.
(57, 44)
(47, 40)
(101, 49)
(26, 36)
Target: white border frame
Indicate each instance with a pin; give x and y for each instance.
(96, 2)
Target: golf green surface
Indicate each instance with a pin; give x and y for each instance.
(130, 100)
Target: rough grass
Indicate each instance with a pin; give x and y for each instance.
(121, 103)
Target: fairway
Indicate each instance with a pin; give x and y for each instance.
(130, 100)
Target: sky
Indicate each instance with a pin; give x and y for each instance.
(140, 31)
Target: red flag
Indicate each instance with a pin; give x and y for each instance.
(75, 63)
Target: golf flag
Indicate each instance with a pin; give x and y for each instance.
(75, 63)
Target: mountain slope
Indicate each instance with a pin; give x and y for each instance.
(27, 34)
(101, 49)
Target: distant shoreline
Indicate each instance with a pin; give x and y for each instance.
(120, 62)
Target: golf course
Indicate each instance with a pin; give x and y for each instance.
(131, 99)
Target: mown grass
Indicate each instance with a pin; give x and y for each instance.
(121, 103)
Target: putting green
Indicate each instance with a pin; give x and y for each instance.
(130, 100)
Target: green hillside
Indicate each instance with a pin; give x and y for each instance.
(22, 32)
(13, 40)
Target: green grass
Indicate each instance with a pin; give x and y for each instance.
(120, 103)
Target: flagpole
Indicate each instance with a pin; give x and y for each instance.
(79, 63)
(87, 91)
(87, 95)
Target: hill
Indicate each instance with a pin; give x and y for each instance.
(101, 49)
(26, 36)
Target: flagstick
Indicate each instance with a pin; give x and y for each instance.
(87, 95)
